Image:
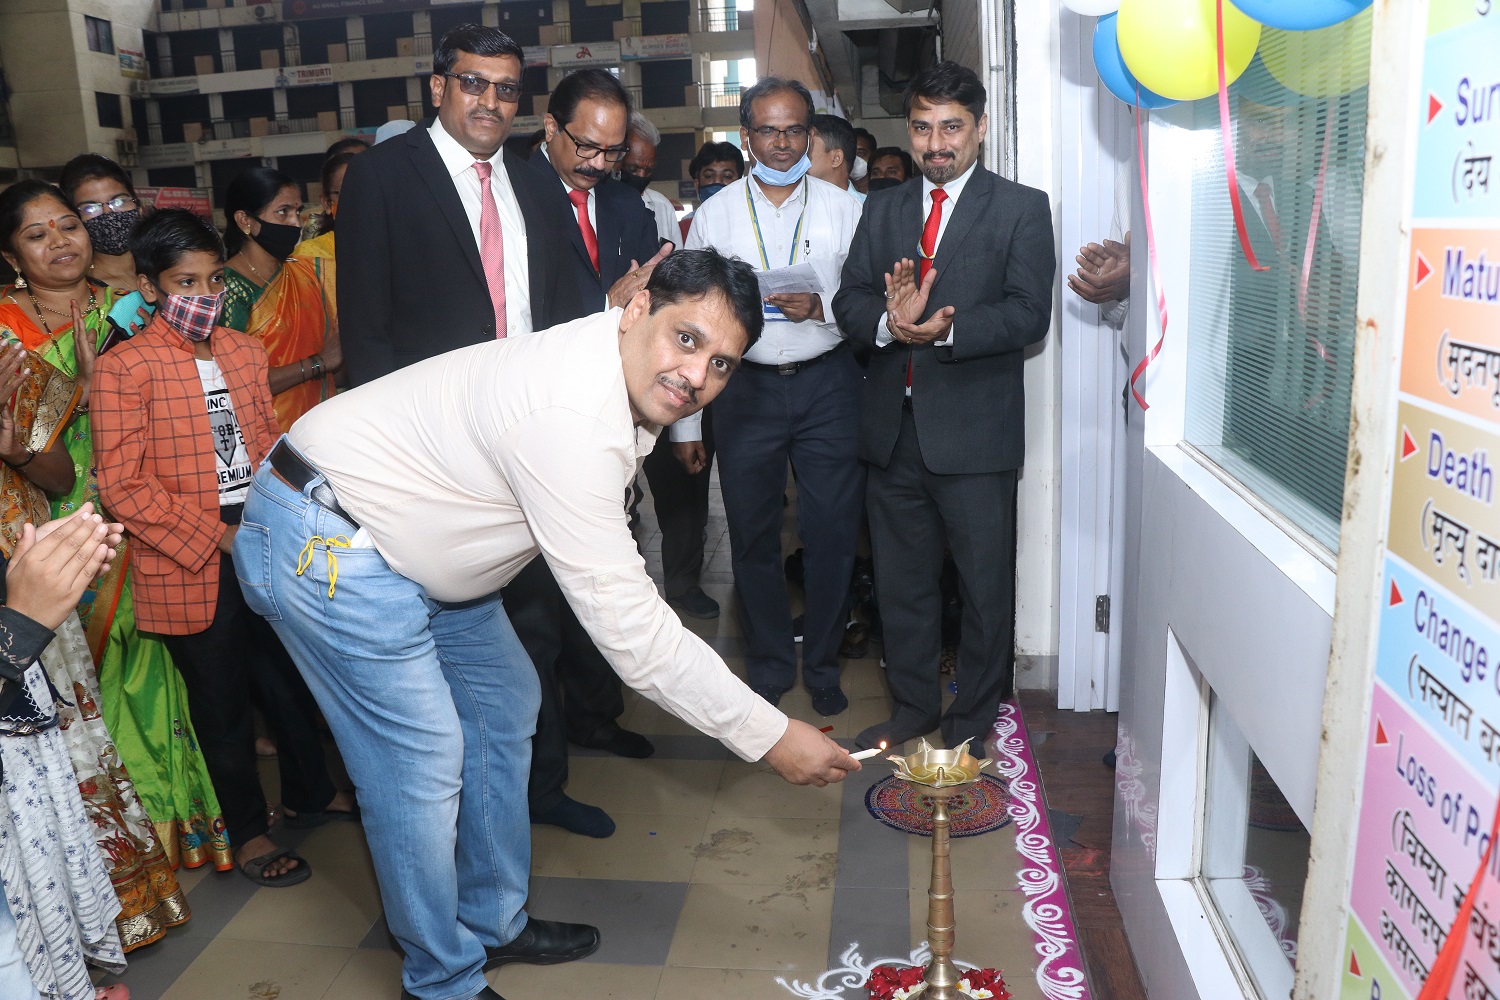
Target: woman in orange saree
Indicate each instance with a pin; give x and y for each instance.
(291, 309)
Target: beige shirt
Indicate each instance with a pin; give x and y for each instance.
(463, 467)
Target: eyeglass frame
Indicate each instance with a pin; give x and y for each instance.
(771, 132)
(623, 149)
(510, 94)
(82, 208)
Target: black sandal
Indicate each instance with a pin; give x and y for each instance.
(255, 869)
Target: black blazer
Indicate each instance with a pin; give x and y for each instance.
(995, 266)
(623, 225)
(410, 282)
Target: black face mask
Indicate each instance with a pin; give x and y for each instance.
(881, 183)
(277, 240)
(640, 184)
(110, 233)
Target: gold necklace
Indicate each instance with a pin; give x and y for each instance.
(246, 258)
(36, 304)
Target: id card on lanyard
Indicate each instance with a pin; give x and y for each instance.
(771, 313)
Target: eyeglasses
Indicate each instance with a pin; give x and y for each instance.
(119, 203)
(769, 132)
(475, 86)
(587, 150)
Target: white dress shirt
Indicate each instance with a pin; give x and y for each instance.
(462, 467)
(828, 216)
(460, 164)
(666, 215)
(954, 188)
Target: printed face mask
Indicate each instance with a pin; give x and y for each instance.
(193, 316)
(110, 232)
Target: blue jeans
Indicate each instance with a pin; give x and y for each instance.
(15, 980)
(433, 706)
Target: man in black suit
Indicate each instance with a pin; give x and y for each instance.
(413, 279)
(609, 232)
(443, 245)
(943, 416)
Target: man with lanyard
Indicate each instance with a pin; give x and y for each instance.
(796, 399)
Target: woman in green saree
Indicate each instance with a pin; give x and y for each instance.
(144, 703)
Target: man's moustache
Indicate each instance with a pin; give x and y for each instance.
(593, 172)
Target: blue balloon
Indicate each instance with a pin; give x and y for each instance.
(1112, 70)
(1300, 15)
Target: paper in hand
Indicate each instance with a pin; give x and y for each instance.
(791, 280)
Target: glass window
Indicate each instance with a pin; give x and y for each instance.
(100, 34)
(1255, 855)
(111, 113)
(1270, 353)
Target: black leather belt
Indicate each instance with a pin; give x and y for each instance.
(791, 367)
(297, 473)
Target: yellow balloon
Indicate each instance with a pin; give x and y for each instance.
(1170, 47)
(1322, 63)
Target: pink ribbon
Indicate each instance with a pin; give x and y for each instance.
(1161, 295)
(1227, 134)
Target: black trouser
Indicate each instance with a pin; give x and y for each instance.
(581, 692)
(221, 666)
(912, 512)
(681, 501)
(763, 421)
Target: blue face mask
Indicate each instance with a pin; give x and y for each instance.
(781, 178)
(707, 191)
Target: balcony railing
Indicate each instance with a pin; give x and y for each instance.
(719, 95)
(356, 49)
(706, 95)
(724, 19)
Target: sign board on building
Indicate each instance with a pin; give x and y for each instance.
(171, 86)
(636, 47)
(132, 63)
(293, 10)
(172, 154)
(522, 124)
(586, 54)
(537, 55)
(304, 76)
(1432, 739)
(223, 149)
(687, 191)
(199, 201)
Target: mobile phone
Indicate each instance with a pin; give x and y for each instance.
(125, 310)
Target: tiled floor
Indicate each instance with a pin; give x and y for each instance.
(719, 880)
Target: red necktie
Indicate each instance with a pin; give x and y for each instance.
(1268, 211)
(930, 233)
(491, 245)
(580, 201)
(929, 249)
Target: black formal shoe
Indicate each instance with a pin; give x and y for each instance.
(856, 643)
(828, 700)
(893, 733)
(545, 942)
(620, 742)
(576, 817)
(771, 694)
(484, 994)
(695, 604)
